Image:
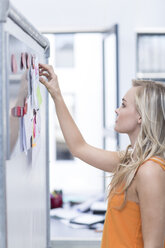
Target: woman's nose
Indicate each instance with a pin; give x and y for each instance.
(116, 111)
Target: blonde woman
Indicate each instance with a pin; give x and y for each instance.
(135, 215)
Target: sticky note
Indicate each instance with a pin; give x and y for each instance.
(39, 97)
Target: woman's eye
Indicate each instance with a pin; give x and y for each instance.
(123, 105)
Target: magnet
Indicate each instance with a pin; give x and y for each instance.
(27, 61)
(33, 61)
(25, 109)
(17, 111)
(23, 61)
(13, 63)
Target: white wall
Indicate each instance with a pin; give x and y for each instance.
(63, 14)
(132, 15)
(94, 14)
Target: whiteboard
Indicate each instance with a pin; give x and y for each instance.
(26, 174)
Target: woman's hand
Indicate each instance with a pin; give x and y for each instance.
(52, 81)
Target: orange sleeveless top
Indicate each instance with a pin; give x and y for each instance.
(122, 228)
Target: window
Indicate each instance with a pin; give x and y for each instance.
(151, 55)
(81, 83)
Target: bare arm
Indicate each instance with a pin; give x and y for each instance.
(150, 188)
(104, 160)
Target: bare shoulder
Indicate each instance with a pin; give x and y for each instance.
(150, 186)
(150, 168)
(150, 174)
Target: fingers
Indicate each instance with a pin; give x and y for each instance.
(43, 81)
(44, 74)
(51, 81)
(46, 68)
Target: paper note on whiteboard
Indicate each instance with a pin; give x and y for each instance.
(34, 90)
(36, 127)
(39, 97)
(36, 94)
(28, 124)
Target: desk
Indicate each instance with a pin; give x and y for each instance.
(63, 236)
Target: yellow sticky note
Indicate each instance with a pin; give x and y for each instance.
(39, 97)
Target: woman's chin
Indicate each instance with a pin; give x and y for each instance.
(115, 128)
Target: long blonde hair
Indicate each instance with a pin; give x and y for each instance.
(150, 104)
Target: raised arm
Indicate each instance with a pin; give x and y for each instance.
(99, 158)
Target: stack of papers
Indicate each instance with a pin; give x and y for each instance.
(76, 217)
(88, 219)
(63, 213)
(99, 207)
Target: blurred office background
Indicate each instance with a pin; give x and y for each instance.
(75, 31)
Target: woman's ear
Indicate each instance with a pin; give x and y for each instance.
(139, 120)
